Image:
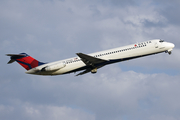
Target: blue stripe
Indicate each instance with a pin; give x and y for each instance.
(25, 64)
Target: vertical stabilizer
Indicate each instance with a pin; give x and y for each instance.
(24, 60)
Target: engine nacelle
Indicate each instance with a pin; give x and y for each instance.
(53, 67)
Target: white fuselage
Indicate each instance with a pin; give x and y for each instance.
(111, 56)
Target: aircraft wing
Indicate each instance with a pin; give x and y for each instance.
(90, 61)
(84, 72)
(88, 70)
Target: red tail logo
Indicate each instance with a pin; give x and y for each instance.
(25, 60)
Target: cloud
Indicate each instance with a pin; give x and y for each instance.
(29, 112)
(110, 94)
(168, 10)
(144, 88)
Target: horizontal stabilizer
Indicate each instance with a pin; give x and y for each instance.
(11, 61)
(14, 56)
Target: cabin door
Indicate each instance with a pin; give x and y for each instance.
(156, 45)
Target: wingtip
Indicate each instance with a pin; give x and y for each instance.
(79, 54)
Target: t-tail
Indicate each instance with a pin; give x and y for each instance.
(24, 60)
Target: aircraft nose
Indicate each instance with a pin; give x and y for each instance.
(171, 45)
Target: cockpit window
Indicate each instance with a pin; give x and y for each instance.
(161, 41)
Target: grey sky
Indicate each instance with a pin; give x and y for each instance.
(49, 30)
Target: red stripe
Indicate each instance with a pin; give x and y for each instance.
(25, 66)
(29, 60)
(34, 63)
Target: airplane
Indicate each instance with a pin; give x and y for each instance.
(91, 62)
